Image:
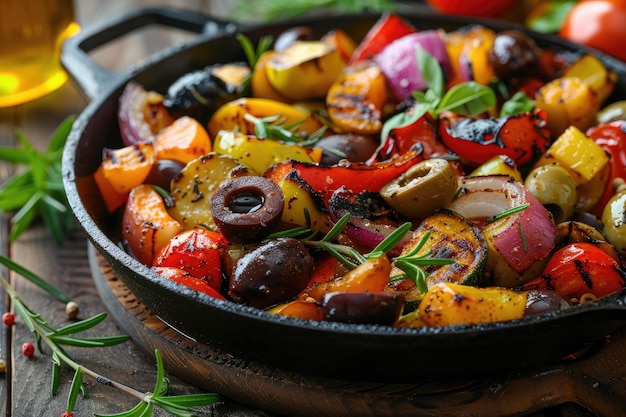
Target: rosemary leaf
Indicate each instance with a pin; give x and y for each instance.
(56, 368)
(34, 278)
(88, 343)
(507, 212)
(337, 228)
(77, 382)
(81, 325)
(392, 239)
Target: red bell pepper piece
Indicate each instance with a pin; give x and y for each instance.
(578, 269)
(356, 176)
(612, 138)
(421, 135)
(388, 28)
(521, 137)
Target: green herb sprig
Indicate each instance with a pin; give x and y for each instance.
(37, 190)
(275, 128)
(57, 339)
(409, 263)
(467, 98)
(252, 55)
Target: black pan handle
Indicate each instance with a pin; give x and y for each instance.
(92, 78)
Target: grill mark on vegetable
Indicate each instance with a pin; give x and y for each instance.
(584, 274)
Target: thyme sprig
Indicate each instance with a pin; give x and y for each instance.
(56, 339)
(36, 191)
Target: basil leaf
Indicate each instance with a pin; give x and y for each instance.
(403, 119)
(468, 98)
(431, 72)
(518, 104)
(552, 20)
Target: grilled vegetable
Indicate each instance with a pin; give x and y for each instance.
(191, 190)
(578, 269)
(519, 230)
(232, 116)
(305, 70)
(356, 99)
(146, 224)
(196, 251)
(614, 221)
(450, 237)
(257, 154)
(449, 303)
(125, 168)
(184, 140)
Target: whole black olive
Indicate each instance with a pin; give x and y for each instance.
(273, 273)
(354, 148)
(544, 301)
(513, 54)
(363, 307)
(163, 171)
(199, 93)
(247, 209)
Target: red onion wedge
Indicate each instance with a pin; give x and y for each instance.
(399, 63)
(135, 104)
(519, 230)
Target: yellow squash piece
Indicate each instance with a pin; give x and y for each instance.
(257, 154)
(447, 303)
(305, 70)
(499, 165)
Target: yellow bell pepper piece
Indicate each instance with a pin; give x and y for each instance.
(579, 154)
(447, 303)
(499, 165)
(594, 74)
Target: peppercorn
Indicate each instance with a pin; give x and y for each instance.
(8, 318)
(28, 349)
(72, 309)
(67, 414)
(3, 365)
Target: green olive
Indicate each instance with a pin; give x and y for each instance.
(555, 188)
(422, 189)
(612, 112)
(614, 219)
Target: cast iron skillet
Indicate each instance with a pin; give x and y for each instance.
(324, 349)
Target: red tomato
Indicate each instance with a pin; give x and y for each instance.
(598, 24)
(578, 269)
(197, 252)
(184, 278)
(479, 8)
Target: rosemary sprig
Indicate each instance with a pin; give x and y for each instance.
(409, 263)
(37, 190)
(252, 55)
(507, 212)
(56, 339)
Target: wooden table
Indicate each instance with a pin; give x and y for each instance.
(25, 386)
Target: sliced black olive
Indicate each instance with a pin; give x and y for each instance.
(272, 273)
(247, 209)
(199, 93)
(363, 307)
(354, 148)
(513, 54)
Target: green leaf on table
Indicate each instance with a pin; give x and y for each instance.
(34, 278)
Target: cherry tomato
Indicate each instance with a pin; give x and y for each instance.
(184, 278)
(196, 251)
(479, 8)
(578, 269)
(598, 24)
